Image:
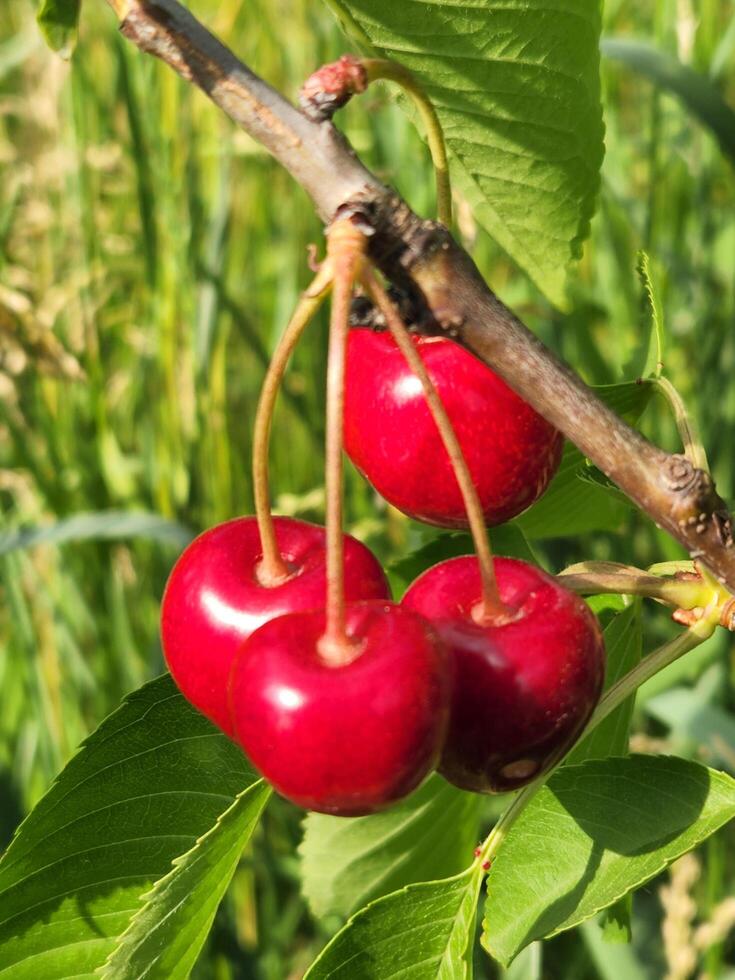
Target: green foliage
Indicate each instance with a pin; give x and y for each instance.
(623, 649)
(143, 789)
(574, 503)
(697, 92)
(106, 526)
(517, 92)
(164, 251)
(508, 540)
(591, 835)
(59, 22)
(653, 319)
(424, 930)
(165, 937)
(347, 863)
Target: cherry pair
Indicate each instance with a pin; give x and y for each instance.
(423, 683)
(347, 735)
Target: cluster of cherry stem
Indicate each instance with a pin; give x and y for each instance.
(345, 266)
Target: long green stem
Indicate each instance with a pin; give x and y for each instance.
(272, 569)
(612, 699)
(598, 577)
(346, 247)
(650, 665)
(491, 609)
(382, 68)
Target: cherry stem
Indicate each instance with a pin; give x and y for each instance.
(491, 609)
(688, 430)
(345, 249)
(382, 68)
(601, 577)
(612, 699)
(272, 569)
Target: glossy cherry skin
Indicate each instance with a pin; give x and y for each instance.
(214, 601)
(523, 690)
(391, 437)
(349, 739)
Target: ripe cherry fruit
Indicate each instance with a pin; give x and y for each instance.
(524, 687)
(390, 435)
(214, 599)
(348, 737)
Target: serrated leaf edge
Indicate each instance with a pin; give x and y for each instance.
(147, 897)
(662, 867)
(83, 747)
(473, 873)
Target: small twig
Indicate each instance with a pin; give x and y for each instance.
(599, 577)
(333, 85)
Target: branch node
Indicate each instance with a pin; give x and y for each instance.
(331, 87)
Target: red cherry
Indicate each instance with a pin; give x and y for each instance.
(348, 739)
(524, 688)
(390, 434)
(214, 601)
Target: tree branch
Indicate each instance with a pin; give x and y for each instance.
(423, 257)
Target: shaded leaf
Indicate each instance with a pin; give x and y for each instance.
(615, 921)
(507, 540)
(594, 833)
(59, 21)
(613, 962)
(347, 863)
(696, 724)
(623, 648)
(576, 502)
(527, 965)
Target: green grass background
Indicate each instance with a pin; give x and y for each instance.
(150, 256)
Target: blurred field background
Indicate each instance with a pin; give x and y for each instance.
(149, 257)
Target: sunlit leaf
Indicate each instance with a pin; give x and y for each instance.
(516, 87)
(150, 782)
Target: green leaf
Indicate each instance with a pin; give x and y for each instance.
(141, 791)
(612, 961)
(624, 648)
(594, 833)
(698, 94)
(347, 863)
(576, 502)
(615, 921)
(166, 935)
(527, 965)
(424, 930)
(101, 525)
(653, 319)
(507, 539)
(696, 725)
(517, 90)
(59, 21)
